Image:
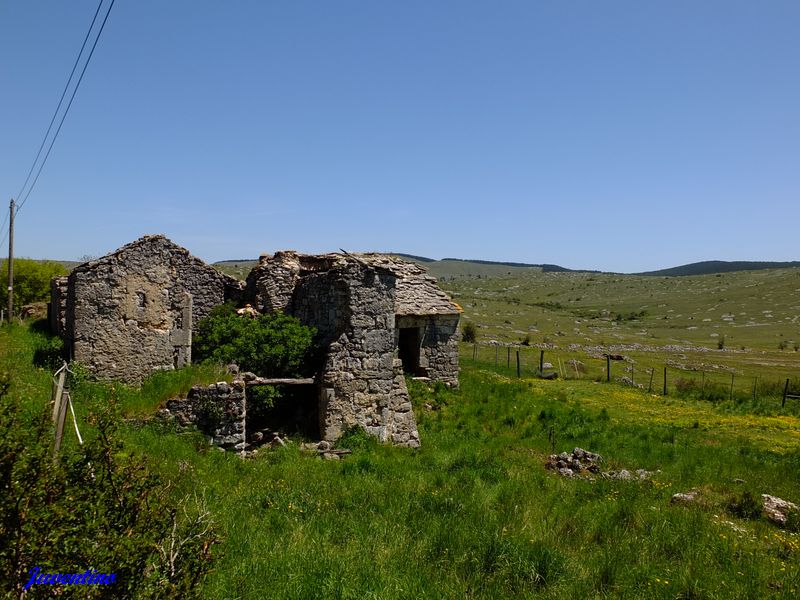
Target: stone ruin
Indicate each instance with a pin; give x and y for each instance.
(378, 318)
(130, 313)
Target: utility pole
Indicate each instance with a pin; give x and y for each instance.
(11, 261)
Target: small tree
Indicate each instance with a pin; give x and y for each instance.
(469, 333)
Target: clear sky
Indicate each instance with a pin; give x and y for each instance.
(611, 135)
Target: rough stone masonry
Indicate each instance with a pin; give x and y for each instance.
(378, 318)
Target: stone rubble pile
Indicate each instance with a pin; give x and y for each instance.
(582, 463)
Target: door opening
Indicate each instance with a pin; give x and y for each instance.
(408, 349)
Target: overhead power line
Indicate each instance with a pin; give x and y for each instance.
(61, 100)
(69, 104)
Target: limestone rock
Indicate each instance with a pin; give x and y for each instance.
(690, 497)
(777, 509)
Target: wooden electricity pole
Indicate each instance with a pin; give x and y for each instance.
(11, 261)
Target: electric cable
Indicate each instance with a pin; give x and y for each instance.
(66, 111)
(61, 100)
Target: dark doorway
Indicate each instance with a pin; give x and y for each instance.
(288, 409)
(408, 347)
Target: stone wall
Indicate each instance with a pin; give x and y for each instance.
(57, 307)
(270, 285)
(132, 312)
(438, 357)
(218, 410)
(352, 307)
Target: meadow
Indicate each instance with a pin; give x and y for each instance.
(705, 329)
(474, 513)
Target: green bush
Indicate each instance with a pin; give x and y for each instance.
(469, 333)
(97, 507)
(31, 280)
(269, 345)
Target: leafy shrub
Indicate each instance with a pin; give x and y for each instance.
(469, 333)
(31, 280)
(96, 507)
(260, 399)
(270, 345)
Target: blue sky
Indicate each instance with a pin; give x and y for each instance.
(620, 136)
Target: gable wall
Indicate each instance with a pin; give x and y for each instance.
(132, 312)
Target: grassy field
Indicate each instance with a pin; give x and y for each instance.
(474, 513)
(704, 329)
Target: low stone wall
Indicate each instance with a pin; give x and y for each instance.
(218, 410)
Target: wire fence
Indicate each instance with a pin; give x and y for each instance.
(656, 375)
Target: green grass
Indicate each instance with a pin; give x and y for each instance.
(654, 322)
(474, 513)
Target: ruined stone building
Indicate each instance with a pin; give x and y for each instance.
(377, 318)
(131, 313)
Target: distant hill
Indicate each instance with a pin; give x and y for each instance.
(710, 267)
(423, 259)
(462, 267)
(545, 268)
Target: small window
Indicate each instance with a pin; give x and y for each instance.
(141, 300)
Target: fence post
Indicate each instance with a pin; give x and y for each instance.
(755, 387)
(62, 416)
(508, 358)
(496, 354)
(633, 376)
(518, 372)
(785, 391)
(665, 381)
(541, 362)
(730, 396)
(650, 387)
(474, 351)
(57, 392)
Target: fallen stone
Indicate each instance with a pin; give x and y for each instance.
(777, 509)
(685, 497)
